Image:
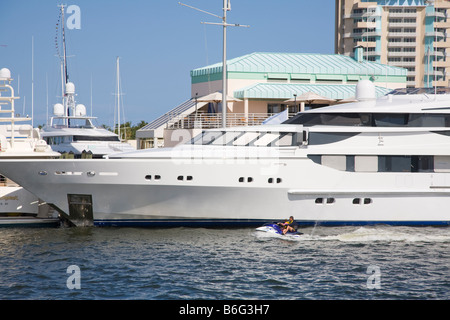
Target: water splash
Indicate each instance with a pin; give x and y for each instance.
(368, 234)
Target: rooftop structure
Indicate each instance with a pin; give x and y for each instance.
(259, 85)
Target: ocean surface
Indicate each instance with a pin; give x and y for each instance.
(356, 263)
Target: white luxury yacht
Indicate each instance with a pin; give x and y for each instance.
(18, 139)
(375, 161)
(71, 130)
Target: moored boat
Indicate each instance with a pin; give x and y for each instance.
(375, 161)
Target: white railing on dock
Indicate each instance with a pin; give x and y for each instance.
(214, 120)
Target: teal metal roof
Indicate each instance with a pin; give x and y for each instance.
(300, 63)
(286, 91)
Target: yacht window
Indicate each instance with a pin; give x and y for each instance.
(96, 138)
(422, 163)
(394, 163)
(331, 119)
(316, 138)
(390, 120)
(372, 119)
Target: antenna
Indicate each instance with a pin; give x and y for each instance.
(226, 7)
(32, 80)
(63, 30)
(118, 97)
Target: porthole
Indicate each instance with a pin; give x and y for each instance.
(325, 200)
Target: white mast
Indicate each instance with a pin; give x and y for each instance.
(226, 7)
(32, 80)
(118, 97)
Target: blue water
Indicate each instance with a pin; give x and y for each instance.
(359, 263)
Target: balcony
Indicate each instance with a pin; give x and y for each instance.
(403, 44)
(402, 24)
(402, 34)
(402, 63)
(362, 34)
(435, 34)
(436, 14)
(402, 15)
(401, 54)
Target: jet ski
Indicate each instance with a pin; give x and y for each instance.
(275, 229)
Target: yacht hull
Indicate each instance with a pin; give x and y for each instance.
(161, 192)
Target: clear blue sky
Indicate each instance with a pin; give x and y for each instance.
(159, 43)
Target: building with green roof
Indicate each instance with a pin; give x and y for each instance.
(259, 85)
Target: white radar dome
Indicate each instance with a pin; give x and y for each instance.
(80, 110)
(5, 74)
(58, 109)
(365, 90)
(70, 88)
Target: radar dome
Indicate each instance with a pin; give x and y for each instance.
(365, 90)
(80, 110)
(58, 109)
(70, 88)
(5, 73)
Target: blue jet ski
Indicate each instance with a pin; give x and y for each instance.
(276, 229)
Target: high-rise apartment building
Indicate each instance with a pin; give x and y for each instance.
(413, 34)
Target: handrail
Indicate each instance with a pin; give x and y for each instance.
(214, 120)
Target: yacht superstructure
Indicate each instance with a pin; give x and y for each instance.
(71, 130)
(369, 162)
(18, 139)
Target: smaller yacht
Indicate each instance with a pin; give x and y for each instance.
(71, 131)
(19, 140)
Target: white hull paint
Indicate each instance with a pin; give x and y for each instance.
(121, 196)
